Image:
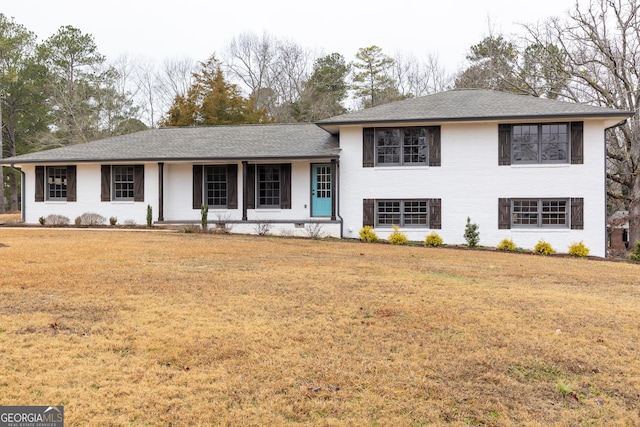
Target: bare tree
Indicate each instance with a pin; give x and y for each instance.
(417, 78)
(601, 44)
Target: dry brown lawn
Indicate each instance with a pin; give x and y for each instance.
(149, 328)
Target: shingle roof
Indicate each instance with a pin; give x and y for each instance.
(469, 105)
(245, 142)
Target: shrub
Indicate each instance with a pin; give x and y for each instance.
(433, 239)
(223, 225)
(91, 219)
(471, 234)
(204, 216)
(314, 230)
(506, 245)
(397, 237)
(42, 220)
(543, 248)
(149, 216)
(635, 255)
(113, 220)
(368, 234)
(578, 249)
(57, 220)
(263, 227)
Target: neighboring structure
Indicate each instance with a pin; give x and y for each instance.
(520, 167)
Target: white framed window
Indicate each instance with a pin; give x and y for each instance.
(123, 183)
(56, 183)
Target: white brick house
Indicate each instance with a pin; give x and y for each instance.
(520, 167)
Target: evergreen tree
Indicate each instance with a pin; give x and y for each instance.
(212, 101)
(372, 77)
(324, 91)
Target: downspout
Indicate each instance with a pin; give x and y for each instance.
(22, 192)
(337, 194)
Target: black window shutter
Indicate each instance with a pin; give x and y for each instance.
(435, 213)
(504, 214)
(105, 185)
(285, 186)
(504, 145)
(577, 143)
(71, 184)
(368, 148)
(250, 187)
(138, 183)
(197, 186)
(368, 212)
(232, 186)
(39, 192)
(577, 213)
(434, 146)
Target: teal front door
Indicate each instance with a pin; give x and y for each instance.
(321, 190)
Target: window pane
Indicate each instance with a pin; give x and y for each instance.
(525, 144)
(525, 212)
(216, 186)
(123, 182)
(389, 212)
(388, 146)
(415, 212)
(269, 186)
(415, 146)
(57, 183)
(555, 142)
(554, 212)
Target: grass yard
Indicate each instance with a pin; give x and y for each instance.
(146, 328)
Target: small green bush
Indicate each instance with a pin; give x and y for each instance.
(471, 234)
(578, 249)
(397, 237)
(149, 216)
(368, 234)
(113, 220)
(433, 239)
(543, 248)
(204, 216)
(506, 245)
(42, 220)
(635, 255)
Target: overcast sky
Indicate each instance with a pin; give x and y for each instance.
(161, 29)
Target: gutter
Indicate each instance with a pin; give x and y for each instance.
(22, 191)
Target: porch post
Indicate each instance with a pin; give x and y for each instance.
(244, 190)
(334, 186)
(160, 191)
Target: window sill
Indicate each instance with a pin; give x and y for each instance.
(540, 230)
(402, 168)
(541, 165)
(56, 202)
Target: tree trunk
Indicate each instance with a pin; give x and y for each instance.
(634, 212)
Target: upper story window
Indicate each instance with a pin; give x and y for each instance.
(540, 143)
(543, 143)
(396, 146)
(56, 183)
(407, 146)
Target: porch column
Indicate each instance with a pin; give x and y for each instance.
(334, 186)
(244, 190)
(160, 191)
